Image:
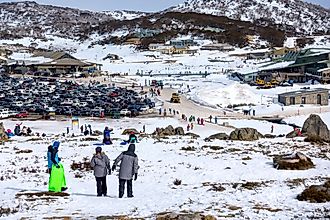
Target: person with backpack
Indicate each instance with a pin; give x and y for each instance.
(101, 165)
(128, 168)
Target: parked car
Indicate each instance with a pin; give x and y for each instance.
(22, 115)
(125, 112)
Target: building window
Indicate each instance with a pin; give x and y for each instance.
(303, 100)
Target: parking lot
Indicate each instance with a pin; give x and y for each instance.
(46, 96)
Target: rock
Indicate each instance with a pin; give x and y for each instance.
(292, 134)
(129, 130)
(245, 134)
(219, 136)
(315, 128)
(179, 131)
(169, 130)
(3, 135)
(297, 161)
(192, 135)
(97, 133)
(270, 136)
(316, 193)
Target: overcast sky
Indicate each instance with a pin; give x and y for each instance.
(139, 5)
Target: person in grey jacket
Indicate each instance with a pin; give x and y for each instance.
(101, 165)
(128, 168)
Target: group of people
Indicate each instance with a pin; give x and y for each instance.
(86, 129)
(25, 131)
(100, 162)
(127, 172)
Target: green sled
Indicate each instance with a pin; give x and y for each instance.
(57, 179)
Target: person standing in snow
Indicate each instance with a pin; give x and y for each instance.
(101, 165)
(272, 129)
(52, 156)
(202, 121)
(128, 168)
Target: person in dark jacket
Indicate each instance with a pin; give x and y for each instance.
(128, 168)
(101, 165)
(52, 156)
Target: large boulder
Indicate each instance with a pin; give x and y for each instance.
(245, 134)
(179, 131)
(315, 128)
(3, 135)
(218, 136)
(129, 130)
(296, 161)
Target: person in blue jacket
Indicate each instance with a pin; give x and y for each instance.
(106, 136)
(52, 156)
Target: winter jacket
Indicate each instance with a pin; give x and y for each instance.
(129, 163)
(52, 155)
(101, 164)
(132, 138)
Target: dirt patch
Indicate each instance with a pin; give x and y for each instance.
(7, 211)
(316, 194)
(27, 151)
(188, 148)
(89, 139)
(212, 147)
(117, 217)
(265, 207)
(42, 194)
(184, 216)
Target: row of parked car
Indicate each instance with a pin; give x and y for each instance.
(62, 97)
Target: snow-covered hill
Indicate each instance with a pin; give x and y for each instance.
(32, 19)
(288, 14)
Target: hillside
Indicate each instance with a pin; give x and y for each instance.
(287, 14)
(34, 20)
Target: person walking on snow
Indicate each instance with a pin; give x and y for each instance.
(188, 127)
(101, 166)
(272, 129)
(128, 168)
(52, 156)
(202, 121)
(210, 117)
(191, 126)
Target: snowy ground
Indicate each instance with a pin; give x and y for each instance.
(229, 164)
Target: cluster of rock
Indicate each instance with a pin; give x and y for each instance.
(296, 161)
(168, 131)
(3, 135)
(239, 134)
(316, 193)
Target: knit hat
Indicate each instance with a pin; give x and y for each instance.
(98, 149)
